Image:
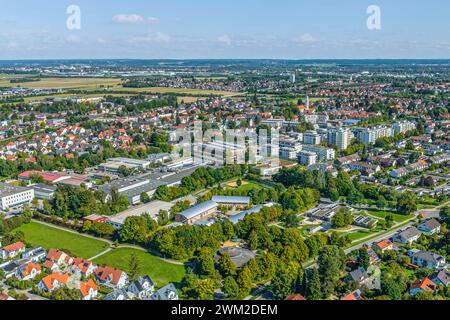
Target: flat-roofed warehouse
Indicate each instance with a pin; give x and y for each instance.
(113, 165)
(152, 208)
(12, 196)
(197, 212)
(43, 191)
(231, 201)
(132, 188)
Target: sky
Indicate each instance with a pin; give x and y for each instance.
(224, 29)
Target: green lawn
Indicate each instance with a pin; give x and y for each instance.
(160, 271)
(360, 234)
(45, 236)
(383, 214)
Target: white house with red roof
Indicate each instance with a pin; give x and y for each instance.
(29, 271)
(12, 250)
(88, 290)
(111, 277)
(52, 282)
(59, 258)
(83, 267)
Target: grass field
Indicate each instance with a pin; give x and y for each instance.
(383, 214)
(160, 271)
(360, 234)
(48, 237)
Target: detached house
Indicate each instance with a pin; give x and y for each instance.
(88, 290)
(408, 236)
(424, 285)
(52, 282)
(83, 267)
(142, 288)
(168, 292)
(442, 278)
(430, 227)
(110, 277)
(29, 271)
(383, 245)
(426, 259)
(12, 250)
(59, 258)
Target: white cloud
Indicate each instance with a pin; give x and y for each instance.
(225, 39)
(162, 37)
(127, 18)
(306, 38)
(153, 20)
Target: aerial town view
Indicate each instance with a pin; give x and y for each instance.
(174, 156)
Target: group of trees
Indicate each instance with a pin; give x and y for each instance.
(202, 178)
(75, 203)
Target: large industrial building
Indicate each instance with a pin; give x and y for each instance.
(197, 212)
(132, 188)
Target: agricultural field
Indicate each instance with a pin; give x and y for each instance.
(49, 237)
(160, 271)
(65, 83)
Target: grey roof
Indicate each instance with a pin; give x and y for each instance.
(432, 224)
(443, 276)
(409, 233)
(239, 256)
(227, 199)
(428, 256)
(139, 283)
(43, 188)
(359, 275)
(165, 293)
(9, 189)
(198, 209)
(241, 215)
(115, 294)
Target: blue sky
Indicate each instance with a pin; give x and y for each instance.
(291, 29)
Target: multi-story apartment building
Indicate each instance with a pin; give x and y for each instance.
(307, 158)
(339, 137)
(371, 135)
(403, 126)
(323, 154)
(311, 137)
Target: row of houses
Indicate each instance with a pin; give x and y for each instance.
(64, 270)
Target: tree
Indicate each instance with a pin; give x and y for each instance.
(205, 261)
(394, 281)
(331, 263)
(389, 221)
(225, 266)
(145, 198)
(134, 229)
(313, 291)
(205, 289)
(244, 280)
(445, 214)
(407, 203)
(230, 287)
(134, 267)
(363, 258)
(283, 282)
(64, 293)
